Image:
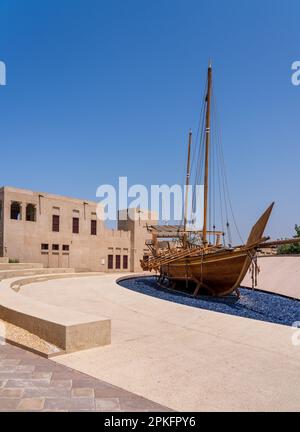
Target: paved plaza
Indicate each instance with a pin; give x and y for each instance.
(29, 382)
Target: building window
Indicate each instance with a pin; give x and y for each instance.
(55, 247)
(66, 248)
(118, 261)
(93, 227)
(110, 261)
(55, 223)
(44, 246)
(31, 212)
(1, 206)
(15, 210)
(125, 261)
(75, 225)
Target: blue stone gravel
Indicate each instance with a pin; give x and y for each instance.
(251, 304)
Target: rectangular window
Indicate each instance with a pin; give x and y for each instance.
(125, 261)
(55, 223)
(44, 246)
(93, 227)
(118, 261)
(66, 248)
(15, 210)
(55, 247)
(1, 206)
(110, 261)
(75, 225)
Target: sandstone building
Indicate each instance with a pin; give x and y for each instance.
(65, 232)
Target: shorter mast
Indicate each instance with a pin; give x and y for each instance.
(187, 182)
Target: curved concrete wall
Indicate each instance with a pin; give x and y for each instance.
(69, 330)
(278, 274)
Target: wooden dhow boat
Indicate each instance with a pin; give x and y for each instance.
(202, 261)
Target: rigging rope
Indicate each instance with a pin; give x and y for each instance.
(217, 175)
(225, 179)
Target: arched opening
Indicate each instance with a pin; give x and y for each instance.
(15, 210)
(31, 212)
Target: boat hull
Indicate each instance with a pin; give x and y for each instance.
(217, 273)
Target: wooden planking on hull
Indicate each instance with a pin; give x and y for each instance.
(220, 275)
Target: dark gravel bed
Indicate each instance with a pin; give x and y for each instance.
(251, 304)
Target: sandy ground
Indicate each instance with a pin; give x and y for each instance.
(24, 338)
(181, 357)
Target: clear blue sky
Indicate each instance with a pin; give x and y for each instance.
(97, 89)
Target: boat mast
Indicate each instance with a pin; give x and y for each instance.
(207, 143)
(187, 186)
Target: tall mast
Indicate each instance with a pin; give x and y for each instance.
(207, 143)
(187, 184)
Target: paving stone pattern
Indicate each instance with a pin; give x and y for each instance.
(29, 382)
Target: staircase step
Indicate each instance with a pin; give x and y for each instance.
(17, 266)
(4, 260)
(5, 274)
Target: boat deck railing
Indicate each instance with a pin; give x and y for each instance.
(166, 257)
